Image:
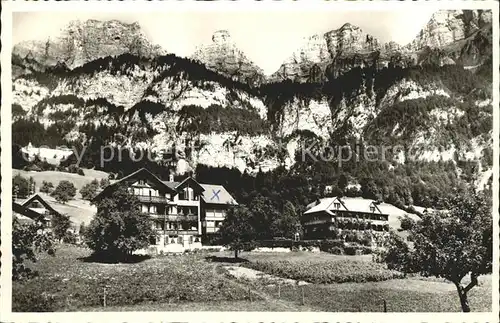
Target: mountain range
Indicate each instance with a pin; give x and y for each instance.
(450, 37)
(105, 83)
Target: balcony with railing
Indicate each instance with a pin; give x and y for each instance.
(180, 217)
(152, 199)
(173, 232)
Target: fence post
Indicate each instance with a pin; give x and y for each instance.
(104, 297)
(385, 306)
(302, 291)
(249, 294)
(279, 290)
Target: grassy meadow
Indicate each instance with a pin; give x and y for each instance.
(77, 209)
(70, 281)
(55, 177)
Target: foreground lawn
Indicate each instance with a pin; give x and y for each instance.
(401, 295)
(355, 284)
(223, 306)
(68, 282)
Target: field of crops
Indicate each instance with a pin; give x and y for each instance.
(325, 272)
(67, 282)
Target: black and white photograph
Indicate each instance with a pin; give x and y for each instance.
(325, 160)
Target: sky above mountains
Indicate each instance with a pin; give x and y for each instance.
(267, 38)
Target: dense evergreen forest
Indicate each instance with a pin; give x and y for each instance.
(418, 183)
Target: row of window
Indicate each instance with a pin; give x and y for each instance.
(174, 240)
(173, 226)
(215, 213)
(336, 206)
(181, 210)
(213, 224)
(349, 215)
(320, 231)
(186, 194)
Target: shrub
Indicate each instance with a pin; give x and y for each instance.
(60, 225)
(105, 182)
(282, 243)
(47, 187)
(367, 239)
(73, 169)
(309, 243)
(407, 223)
(28, 240)
(336, 251)
(351, 250)
(31, 298)
(20, 186)
(81, 230)
(80, 172)
(64, 192)
(69, 237)
(366, 250)
(89, 191)
(327, 245)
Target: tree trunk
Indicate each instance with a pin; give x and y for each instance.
(464, 301)
(236, 254)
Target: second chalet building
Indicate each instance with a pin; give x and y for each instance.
(181, 212)
(328, 214)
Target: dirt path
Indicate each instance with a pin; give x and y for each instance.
(252, 274)
(285, 305)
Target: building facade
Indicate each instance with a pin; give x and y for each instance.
(37, 204)
(181, 213)
(325, 216)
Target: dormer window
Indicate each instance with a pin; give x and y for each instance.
(336, 205)
(372, 208)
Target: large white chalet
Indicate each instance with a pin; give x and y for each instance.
(182, 213)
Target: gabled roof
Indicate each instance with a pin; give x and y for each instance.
(212, 194)
(190, 180)
(217, 194)
(23, 210)
(172, 185)
(38, 198)
(353, 204)
(142, 171)
(323, 205)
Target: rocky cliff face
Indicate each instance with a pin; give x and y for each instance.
(333, 53)
(84, 41)
(222, 55)
(448, 26)
(165, 101)
(450, 37)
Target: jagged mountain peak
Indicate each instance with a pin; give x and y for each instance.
(82, 41)
(447, 26)
(221, 37)
(348, 26)
(449, 37)
(311, 61)
(224, 56)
